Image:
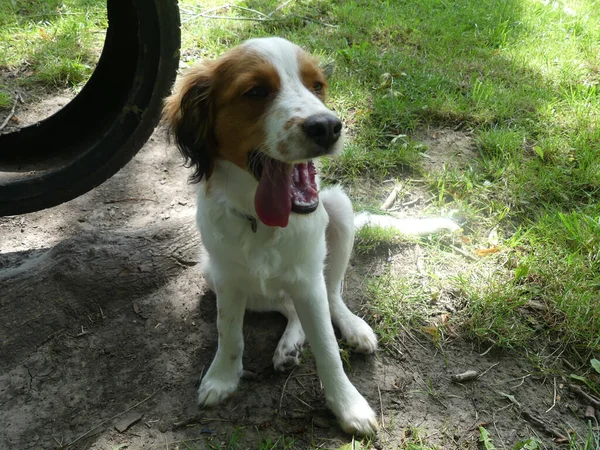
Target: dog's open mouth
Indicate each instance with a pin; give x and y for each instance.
(283, 188)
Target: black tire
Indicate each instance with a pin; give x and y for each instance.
(103, 127)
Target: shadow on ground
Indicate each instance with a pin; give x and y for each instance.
(104, 317)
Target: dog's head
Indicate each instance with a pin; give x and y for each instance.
(259, 106)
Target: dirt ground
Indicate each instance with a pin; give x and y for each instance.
(106, 325)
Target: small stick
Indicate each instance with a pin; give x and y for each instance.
(592, 400)
(486, 352)
(462, 252)
(554, 403)
(465, 376)
(413, 338)
(283, 390)
(10, 114)
(411, 202)
(381, 406)
(283, 5)
(300, 400)
(540, 423)
(488, 369)
(389, 201)
(114, 417)
(185, 422)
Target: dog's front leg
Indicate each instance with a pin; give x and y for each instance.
(224, 373)
(352, 410)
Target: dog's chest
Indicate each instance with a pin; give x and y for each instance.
(265, 256)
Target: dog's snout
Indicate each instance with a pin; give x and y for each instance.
(323, 129)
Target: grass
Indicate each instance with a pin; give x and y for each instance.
(51, 43)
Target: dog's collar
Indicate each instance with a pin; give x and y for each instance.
(252, 220)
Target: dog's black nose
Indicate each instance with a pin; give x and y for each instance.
(323, 129)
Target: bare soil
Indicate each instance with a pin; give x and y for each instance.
(106, 324)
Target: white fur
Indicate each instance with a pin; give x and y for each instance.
(294, 102)
(297, 270)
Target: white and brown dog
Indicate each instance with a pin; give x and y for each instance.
(250, 123)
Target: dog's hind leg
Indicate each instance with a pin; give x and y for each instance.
(287, 353)
(340, 239)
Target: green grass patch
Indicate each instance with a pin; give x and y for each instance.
(6, 100)
(51, 43)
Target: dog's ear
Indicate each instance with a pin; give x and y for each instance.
(189, 115)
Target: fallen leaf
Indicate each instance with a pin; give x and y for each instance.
(487, 251)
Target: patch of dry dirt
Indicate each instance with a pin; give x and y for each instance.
(104, 313)
(448, 149)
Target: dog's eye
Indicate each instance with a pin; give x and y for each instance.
(257, 92)
(318, 87)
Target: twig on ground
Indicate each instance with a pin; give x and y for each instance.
(488, 369)
(463, 253)
(114, 417)
(381, 406)
(559, 437)
(411, 202)
(389, 201)
(300, 400)
(591, 399)
(522, 381)
(569, 365)
(554, 402)
(189, 421)
(283, 390)
(465, 376)
(11, 113)
(487, 351)
(413, 338)
(283, 5)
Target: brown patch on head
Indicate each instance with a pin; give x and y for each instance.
(248, 83)
(217, 109)
(312, 75)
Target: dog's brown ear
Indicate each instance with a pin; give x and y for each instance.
(189, 115)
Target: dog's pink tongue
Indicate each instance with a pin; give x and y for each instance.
(273, 201)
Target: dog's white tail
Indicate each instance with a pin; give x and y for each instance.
(410, 227)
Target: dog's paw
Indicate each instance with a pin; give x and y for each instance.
(282, 362)
(356, 416)
(213, 390)
(360, 336)
(287, 353)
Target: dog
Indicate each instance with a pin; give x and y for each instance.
(250, 124)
